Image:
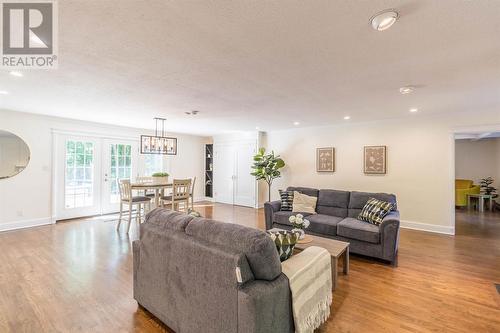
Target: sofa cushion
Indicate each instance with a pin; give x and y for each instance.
(286, 200)
(333, 202)
(282, 217)
(304, 190)
(375, 210)
(358, 200)
(324, 224)
(304, 203)
(258, 248)
(285, 242)
(356, 229)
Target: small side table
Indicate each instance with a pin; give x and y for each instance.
(481, 198)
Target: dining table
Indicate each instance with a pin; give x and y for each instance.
(157, 186)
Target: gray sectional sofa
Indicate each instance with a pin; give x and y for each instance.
(185, 274)
(336, 218)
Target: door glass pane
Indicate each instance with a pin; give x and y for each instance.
(120, 167)
(79, 174)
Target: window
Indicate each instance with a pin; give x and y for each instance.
(152, 163)
(79, 176)
(121, 168)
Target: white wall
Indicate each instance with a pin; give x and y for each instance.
(478, 159)
(26, 198)
(420, 167)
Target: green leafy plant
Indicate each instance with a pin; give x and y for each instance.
(267, 167)
(160, 174)
(486, 187)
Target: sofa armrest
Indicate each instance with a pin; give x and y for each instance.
(265, 306)
(389, 231)
(135, 261)
(270, 208)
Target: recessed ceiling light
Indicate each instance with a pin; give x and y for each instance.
(15, 73)
(384, 19)
(413, 110)
(3, 92)
(257, 128)
(296, 123)
(347, 118)
(406, 90)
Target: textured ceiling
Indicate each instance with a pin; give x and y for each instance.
(244, 64)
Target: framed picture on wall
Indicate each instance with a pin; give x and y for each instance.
(375, 160)
(325, 159)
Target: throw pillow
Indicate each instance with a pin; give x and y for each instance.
(285, 242)
(304, 203)
(375, 210)
(193, 213)
(286, 200)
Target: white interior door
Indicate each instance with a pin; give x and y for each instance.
(78, 176)
(224, 173)
(232, 181)
(245, 185)
(120, 159)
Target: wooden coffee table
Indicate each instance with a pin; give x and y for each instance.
(337, 250)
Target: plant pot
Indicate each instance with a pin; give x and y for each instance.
(160, 180)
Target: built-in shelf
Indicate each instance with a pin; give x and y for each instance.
(209, 148)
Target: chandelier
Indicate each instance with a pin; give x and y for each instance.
(158, 143)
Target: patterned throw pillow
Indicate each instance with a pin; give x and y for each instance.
(286, 200)
(375, 210)
(285, 242)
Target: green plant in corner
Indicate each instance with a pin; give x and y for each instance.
(486, 187)
(160, 174)
(267, 167)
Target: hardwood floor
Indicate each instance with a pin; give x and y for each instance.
(77, 277)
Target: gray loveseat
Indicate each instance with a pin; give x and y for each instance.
(336, 218)
(185, 273)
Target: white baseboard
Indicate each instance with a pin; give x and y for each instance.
(25, 224)
(203, 199)
(440, 229)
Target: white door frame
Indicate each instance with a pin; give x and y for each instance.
(57, 134)
(453, 136)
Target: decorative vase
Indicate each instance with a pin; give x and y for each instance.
(301, 232)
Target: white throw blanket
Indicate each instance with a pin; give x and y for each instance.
(310, 276)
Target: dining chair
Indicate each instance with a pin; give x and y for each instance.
(128, 199)
(146, 180)
(191, 192)
(180, 194)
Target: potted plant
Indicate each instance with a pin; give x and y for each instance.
(299, 223)
(486, 187)
(160, 177)
(267, 167)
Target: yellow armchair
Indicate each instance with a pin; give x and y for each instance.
(462, 188)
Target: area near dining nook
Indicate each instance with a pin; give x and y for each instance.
(250, 166)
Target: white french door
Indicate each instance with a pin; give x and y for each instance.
(233, 183)
(244, 183)
(86, 171)
(119, 161)
(78, 176)
(224, 173)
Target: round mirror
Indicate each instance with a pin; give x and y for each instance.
(14, 154)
